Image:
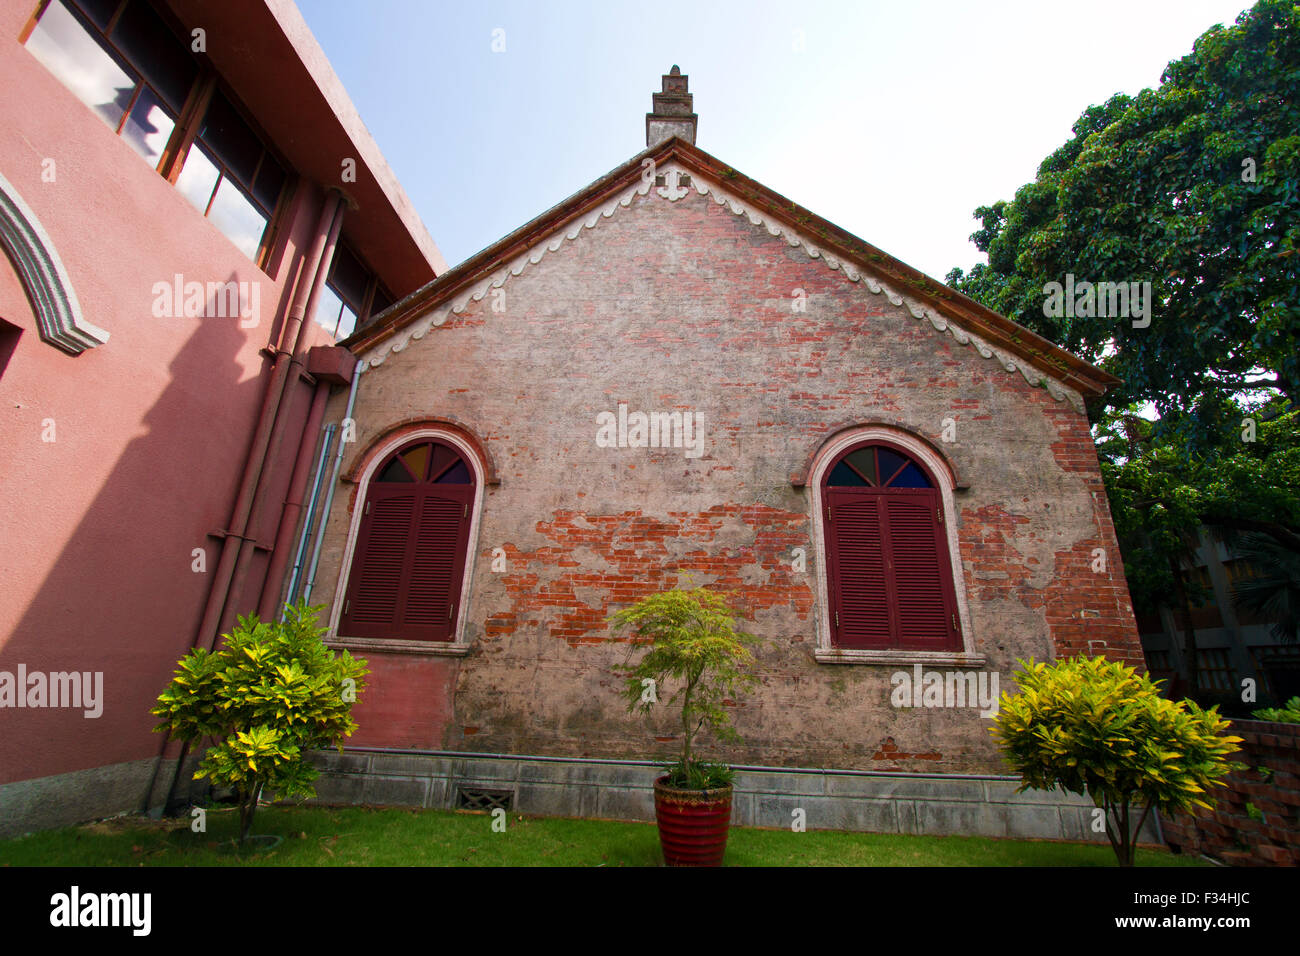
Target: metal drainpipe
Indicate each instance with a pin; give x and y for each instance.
(334, 483)
(223, 575)
(309, 523)
(296, 365)
(269, 604)
(611, 761)
(309, 280)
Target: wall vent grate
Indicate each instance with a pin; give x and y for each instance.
(477, 798)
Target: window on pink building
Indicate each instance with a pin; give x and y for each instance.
(230, 177)
(137, 72)
(122, 61)
(351, 295)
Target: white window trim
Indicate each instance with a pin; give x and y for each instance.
(59, 320)
(825, 652)
(458, 646)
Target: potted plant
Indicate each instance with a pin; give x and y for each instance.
(694, 644)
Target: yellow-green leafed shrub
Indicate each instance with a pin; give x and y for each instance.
(271, 692)
(693, 643)
(1095, 727)
(1290, 714)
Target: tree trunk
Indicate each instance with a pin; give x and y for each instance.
(1126, 839)
(248, 807)
(686, 728)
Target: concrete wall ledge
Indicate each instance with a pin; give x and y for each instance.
(929, 804)
(43, 803)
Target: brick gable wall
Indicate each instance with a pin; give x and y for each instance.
(687, 307)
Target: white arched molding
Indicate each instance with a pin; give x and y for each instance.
(942, 473)
(458, 646)
(46, 282)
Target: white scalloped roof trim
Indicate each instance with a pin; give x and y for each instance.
(568, 233)
(575, 228)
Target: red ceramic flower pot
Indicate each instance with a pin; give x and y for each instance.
(693, 824)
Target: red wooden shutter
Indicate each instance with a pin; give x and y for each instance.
(888, 567)
(381, 559)
(437, 560)
(410, 557)
(857, 571)
(918, 557)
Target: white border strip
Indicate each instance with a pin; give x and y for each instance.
(58, 314)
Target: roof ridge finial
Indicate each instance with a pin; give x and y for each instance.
(673, 111)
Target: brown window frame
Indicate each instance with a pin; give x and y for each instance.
(363, 310)
(189, 119)
(103, 36)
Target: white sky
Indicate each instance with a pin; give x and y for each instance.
(895, 121)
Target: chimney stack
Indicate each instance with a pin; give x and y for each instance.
(672, 114)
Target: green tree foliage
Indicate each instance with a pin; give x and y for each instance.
(1290, 714)
(268, 695)
(1194, 187)
(693, 644)
(1244, 489)
(1168, 490)
(1095, 727)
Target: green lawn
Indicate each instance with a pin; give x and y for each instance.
(316, 836)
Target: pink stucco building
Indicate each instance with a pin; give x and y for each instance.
(192, 212)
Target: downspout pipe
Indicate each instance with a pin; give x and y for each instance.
(309, 523)
(297, 366)
(311, 276)
(269, 604)
(334, 483)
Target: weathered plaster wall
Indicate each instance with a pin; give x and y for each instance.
(687, 307)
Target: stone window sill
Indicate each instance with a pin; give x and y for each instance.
(376, 645)
(832, 655)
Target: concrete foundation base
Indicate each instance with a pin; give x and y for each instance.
(934, 805)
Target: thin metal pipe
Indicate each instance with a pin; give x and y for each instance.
(309, 523)
(416, 752)
(334, 482)
(268, 603)
(297, 363)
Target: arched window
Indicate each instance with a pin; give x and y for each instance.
(889, 575)
(409, 562)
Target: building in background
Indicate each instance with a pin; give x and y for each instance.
(192, 213)
(1232, 643)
